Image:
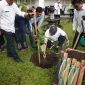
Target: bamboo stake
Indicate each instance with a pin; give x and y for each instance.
(71, 73)
(36, 34)
(75, 76)
(82, 71)
(66, 71)
(62, 68)
(76, 41)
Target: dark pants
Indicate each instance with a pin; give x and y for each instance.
(57, 17)
(1, 40)
(60, 41)
(10, 44)
(30, 34)
(20, 31)
(75, 38)
(20, 38)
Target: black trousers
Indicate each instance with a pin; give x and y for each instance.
(10, 44)
(60, 41)
(57, 17)
(20, 34)
(75, 38)
(1, 40)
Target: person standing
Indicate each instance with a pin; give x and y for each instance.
(8, 10)
(79, 12)
(57, 12)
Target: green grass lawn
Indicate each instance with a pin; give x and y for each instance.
(12, 73)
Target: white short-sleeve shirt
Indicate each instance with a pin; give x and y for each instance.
(54, 37)
(7, 16)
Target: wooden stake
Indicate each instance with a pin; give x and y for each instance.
(35, 22)
(72, 70)
(82, 71)
(35, 33)
(76, 41)
(66, 71)
(75, 76)
(62, 68)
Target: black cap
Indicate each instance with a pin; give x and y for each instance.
(39, 9)
(52, 29)
(76, 1)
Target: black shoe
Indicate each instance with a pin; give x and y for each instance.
(25, 45)
(19, 46)
(2, 50)
(8, 55)
(18, 60)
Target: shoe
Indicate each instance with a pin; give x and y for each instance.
(18, 60)
(25, 45)
(2, 50)
(19, 46)
(22, 50)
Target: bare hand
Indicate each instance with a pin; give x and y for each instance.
(35, 37)
(44, 56)
(73, 32)
(67, 43)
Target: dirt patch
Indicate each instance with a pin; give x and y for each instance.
(52, 59)
(76, 54)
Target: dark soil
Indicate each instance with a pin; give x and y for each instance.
(76, 54)
(52, 59)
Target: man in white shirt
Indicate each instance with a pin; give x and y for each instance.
(79, 12)
(58, 7)
(8, 10)
(55, 34)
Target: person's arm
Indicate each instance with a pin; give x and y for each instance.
(74, 22)
(44, 52)
(67, 40)
(61, 6)
(64, 34)
(45, 44)
(19, 12)
(55, 6)
(1, 10)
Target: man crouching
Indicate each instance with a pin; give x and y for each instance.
(54, 34)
